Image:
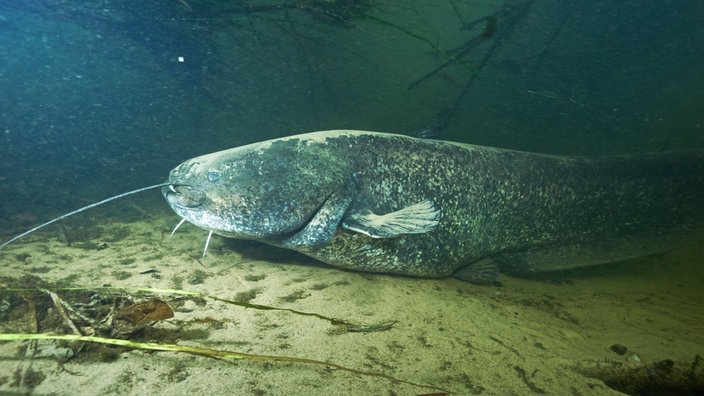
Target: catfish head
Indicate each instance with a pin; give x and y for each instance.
(268, 191)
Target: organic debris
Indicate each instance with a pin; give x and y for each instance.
(29, 304)
(35, 310)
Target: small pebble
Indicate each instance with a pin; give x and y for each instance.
(634, 357)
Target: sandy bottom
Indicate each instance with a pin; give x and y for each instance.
(519, 336)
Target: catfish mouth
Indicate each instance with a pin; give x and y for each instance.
(183, 195)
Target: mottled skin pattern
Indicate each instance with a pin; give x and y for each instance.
(528, 212)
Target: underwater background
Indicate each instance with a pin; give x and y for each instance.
(101, 97)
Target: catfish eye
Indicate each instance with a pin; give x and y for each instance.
(213, 176)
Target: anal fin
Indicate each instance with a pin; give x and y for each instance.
(592, 253)
(481, 271)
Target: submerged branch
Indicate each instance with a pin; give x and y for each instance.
(206, 352)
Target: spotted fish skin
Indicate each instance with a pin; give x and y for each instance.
(526, 212)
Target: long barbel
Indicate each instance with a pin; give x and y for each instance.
(81, 210)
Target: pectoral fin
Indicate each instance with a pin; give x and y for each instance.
(414, 219)
(321, 228)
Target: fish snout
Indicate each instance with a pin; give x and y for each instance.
(182, 195)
